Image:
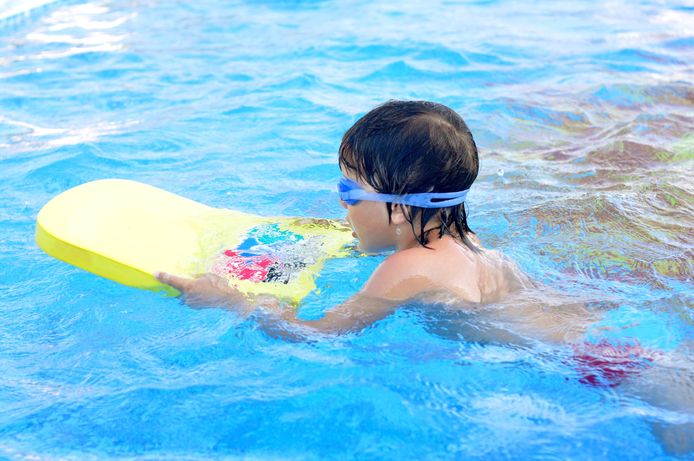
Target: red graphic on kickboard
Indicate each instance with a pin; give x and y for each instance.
(253, 268)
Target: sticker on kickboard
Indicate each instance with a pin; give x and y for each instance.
(268, 254)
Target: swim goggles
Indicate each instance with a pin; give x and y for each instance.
(352, 193)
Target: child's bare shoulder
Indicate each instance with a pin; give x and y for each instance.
(412, 272)
(447, 266)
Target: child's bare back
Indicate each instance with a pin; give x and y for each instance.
(475, 276)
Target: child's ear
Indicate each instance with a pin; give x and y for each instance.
(397, 215)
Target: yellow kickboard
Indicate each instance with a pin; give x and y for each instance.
(126, 231)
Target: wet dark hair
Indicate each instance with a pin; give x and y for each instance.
(404, 147)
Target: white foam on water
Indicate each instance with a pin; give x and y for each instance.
(12, 8)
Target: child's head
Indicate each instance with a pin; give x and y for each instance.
(406, 147)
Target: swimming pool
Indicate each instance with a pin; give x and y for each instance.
(584, 114)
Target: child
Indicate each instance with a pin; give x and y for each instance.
(407, 166)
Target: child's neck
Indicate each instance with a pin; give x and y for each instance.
(409, 239)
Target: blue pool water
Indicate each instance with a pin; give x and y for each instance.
(584, 115)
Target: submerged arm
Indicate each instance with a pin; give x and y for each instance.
(210, 290)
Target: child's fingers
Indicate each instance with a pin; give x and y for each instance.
(182, 284)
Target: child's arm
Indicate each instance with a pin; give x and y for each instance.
(399, 278)
(361, 310)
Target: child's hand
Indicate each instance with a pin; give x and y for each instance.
(209, 290)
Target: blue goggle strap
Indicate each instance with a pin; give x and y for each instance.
(423, 200)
